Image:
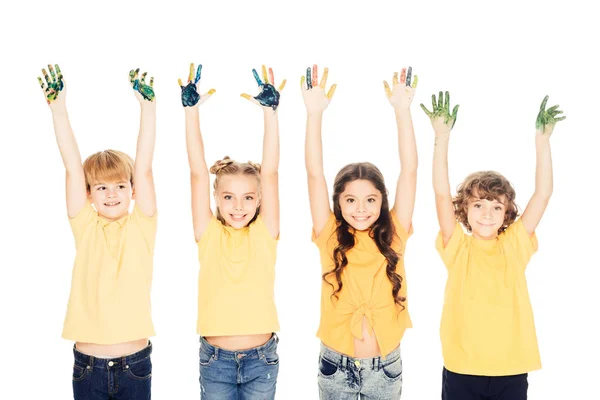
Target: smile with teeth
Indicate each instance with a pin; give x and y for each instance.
(238, 217)
(361, 219)
(115, 203)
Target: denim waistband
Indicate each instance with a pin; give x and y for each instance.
(254, 352)
(343, 361)
(116, 362)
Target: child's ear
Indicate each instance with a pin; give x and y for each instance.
(133, 193)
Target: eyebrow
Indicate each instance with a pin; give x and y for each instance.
(103, 183)
(475, 199)
(369, 195)
(243, 194)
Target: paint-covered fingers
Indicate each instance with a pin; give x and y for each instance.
(546, 119)
(282, 85)
(331, 91)
(248, 97)
(308, 79)
(401, 93)
(206, 96)
(258, 81)
(388, 91)
(429, 113)
(324, 78)
(54, 83)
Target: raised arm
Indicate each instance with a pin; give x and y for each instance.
(200, 180)
(268, 100)
(443, 122)
(544, 127)
(400, 98)
(316, 101)
(55, 92)
(143, 180)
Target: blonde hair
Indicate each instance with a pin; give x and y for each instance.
(227, 166)
(107, 166)
(489, 185)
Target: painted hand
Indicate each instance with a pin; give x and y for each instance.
(546, 119)
(441, 119)
(54, 85)
(403, 91)
(313, 92)
(142, 91)
(189, 93)
(268, 96)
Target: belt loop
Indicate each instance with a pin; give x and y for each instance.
(216, 353)
(123, 362)
(377, 362)
(91, 361)
(344, 362)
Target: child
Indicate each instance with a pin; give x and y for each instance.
(237, 248)
(108, 315)
(487, 330)
(364, 311)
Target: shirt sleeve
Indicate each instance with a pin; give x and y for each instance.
(523, 244)
(147, 225)
(83, 219)
(452, 248)
(214, 226)
(400, 230)
(328, 230)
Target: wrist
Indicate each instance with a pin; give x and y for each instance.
(314, 114)
(402, 111)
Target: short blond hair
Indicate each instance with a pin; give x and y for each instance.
(107, 166)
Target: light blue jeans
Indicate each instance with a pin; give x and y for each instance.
(238, 375)
(346, 378)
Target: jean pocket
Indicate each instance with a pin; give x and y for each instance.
(206, 359)
(270, 358)
(326, 367)
(141, 370)
(393, 370)
(79, 372)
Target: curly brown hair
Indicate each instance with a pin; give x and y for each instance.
(488, 185)
(227, 166)
(382, 231)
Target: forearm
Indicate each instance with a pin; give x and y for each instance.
(407, 146)
(270, 160)
(146, 138)
(314, 147)
(543, 168)
(194, 143)
(441, 183)
(67, 144)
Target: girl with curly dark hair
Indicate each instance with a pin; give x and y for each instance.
(364, 308)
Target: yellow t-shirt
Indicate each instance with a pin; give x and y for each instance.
(112, 278)
(487, 323)
(366, 292)
(237, 280)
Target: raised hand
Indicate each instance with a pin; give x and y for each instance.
(189, 93)
(403, 91)
(546, 119)
(441, 119)
(268, 96)
(54, 84)
(313, 92)
(142, 91)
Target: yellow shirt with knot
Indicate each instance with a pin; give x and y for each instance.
(487, 323)
(366, 292)
(236, 283)
(112, 277)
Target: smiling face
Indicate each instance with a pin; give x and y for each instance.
(238, 199)
(486, 217)
(111, 199)
(360, 204)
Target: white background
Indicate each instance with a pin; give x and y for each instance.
(497, 61)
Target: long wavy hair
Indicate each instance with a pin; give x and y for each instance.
(382, 231)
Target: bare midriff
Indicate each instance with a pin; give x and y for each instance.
(241, 342)
(111, 350)
(367, 347)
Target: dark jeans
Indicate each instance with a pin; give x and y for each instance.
(471, 387)
(123, 378)
(238, 375)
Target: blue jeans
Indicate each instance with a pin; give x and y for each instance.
(472, 387)
(122, 378)
(245, 374)
(344, 378)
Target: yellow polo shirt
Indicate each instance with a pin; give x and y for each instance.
(112, 277)
(236, 282)
(487, 323)
(366, 292)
